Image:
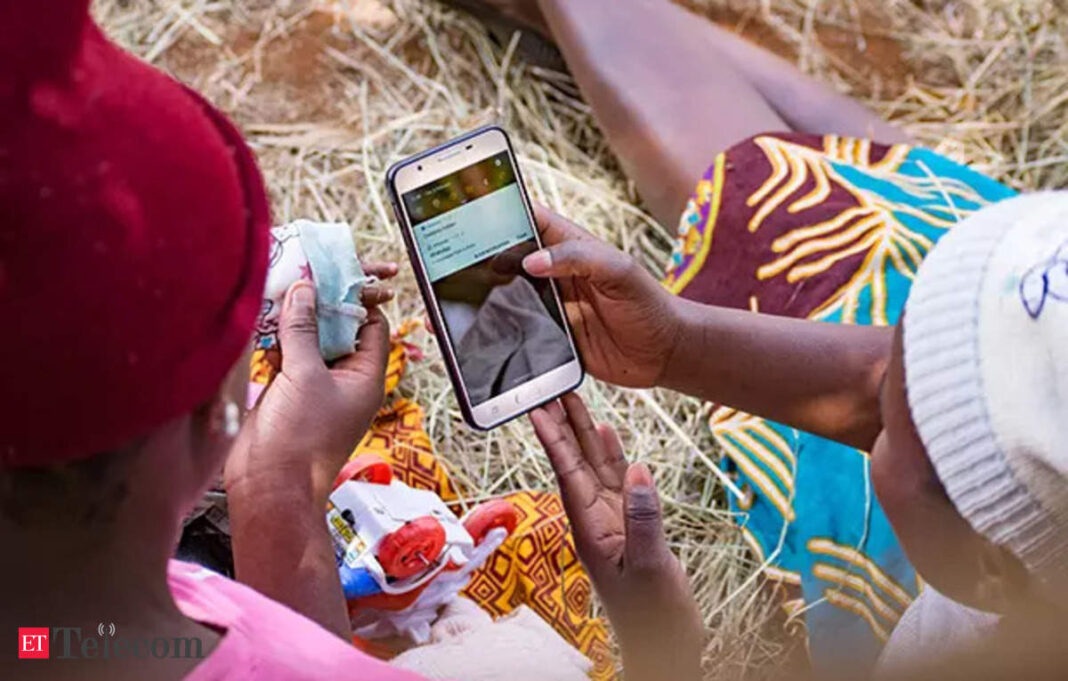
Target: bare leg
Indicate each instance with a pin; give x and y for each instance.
(805, 103)
(671, 89)
(666, 99)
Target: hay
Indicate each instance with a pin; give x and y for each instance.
(329, 99)
(982, 81)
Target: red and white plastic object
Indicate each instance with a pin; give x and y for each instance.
(402, 551)
(413, 548)
(485, 517)
(365, 468)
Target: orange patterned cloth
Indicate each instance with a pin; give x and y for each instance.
(537, 566)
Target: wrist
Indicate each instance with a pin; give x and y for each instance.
(261, 480)
(292, 491)
(658, 657)
(666, 653)
(684, 341)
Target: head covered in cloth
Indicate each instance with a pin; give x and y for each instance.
(133, 241)
(971, 467)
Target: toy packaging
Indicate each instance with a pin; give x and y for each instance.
(323, 253)
(401, 553)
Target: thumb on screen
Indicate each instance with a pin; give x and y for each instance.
(587, 259)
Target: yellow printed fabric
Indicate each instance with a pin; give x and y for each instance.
(538, 567)
(829, 228)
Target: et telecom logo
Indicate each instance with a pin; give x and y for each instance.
(33, 643)
(70, 643)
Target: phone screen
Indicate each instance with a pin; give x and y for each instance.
(472, 232)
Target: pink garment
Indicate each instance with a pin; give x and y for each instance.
(264, 640)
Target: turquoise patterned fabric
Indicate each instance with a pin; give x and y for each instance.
(855, 579)
(809, 510)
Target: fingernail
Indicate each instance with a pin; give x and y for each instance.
(538, 263)
(302, 294)
(638, 475)
(389, 293)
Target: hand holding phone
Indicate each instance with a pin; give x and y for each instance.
(467, 223)
(626, 325)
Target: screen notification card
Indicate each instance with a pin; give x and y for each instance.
(470, 222)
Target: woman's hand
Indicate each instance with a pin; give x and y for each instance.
(615, 517)
(313, 415)
(282, 467)
(625, 323)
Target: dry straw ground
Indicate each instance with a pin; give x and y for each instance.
(330, 94)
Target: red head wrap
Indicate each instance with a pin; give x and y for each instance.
(133, 240)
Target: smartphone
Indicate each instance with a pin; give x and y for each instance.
(467, 223)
